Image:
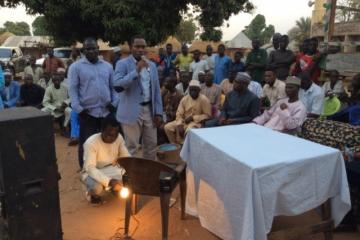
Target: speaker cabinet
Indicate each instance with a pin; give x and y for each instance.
(30, 208)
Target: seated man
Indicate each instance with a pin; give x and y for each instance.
(227, 84)
(101, 152)
(241, 105)
(171, 99)
(183, 85)
(312, 96)
(213, 92)
(273, 90)
(201, 77)
(31, 94)
(45, 80)
(334, 87)
(56, 100)
(192, 111)
(287, 114)
(11, 93)
(74, 120)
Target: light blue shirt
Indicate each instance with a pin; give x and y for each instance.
(11, 94)
(222, 67)
(145, 82)
(255, 88)
(313, 99)
(91, 87)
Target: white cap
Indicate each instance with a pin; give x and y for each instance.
(194, 83)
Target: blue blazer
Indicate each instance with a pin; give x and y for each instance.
(14, 95)
(128, 79)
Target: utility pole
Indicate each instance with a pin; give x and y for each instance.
(330, 32)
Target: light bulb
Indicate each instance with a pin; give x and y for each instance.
(124, 192)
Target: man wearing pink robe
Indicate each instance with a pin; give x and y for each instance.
(288, 113)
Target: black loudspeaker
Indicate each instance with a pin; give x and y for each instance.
(30, 208)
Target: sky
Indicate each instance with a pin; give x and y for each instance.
(280, 13)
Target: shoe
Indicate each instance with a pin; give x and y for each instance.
(73, 142)
(94, 200)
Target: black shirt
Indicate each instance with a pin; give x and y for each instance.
(281, 62)
(31, 95)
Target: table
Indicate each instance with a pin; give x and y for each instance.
(241, 177)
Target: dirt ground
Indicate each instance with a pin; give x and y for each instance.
(81, 221)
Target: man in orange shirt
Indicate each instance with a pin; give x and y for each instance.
(52, 63)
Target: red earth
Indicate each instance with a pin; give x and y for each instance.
(81, 221)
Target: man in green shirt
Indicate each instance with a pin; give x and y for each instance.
(256, 62)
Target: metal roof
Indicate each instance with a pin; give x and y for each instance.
(27, 41)
(239, 41)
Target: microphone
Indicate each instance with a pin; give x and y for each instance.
(144, 58)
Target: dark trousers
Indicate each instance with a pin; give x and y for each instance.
(60, 121)
(161, 135)
(353, 173)
(89, 126)
(212, 123)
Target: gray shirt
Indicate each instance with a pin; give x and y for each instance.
(243, 108)
(281, 62)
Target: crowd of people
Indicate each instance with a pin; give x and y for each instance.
(138, 103)
(46, 88)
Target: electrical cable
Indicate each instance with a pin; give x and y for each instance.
(119, 235)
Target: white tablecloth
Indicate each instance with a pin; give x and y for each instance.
(241, 177)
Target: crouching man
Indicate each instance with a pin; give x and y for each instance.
(101, 150)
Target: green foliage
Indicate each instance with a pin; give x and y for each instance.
(186, 31)
(346, 14)
(116, 21)
(39, 27)
(257, 29)
(17, 28)
(301, 31)
(211, 34)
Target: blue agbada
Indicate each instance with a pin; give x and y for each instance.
(222, 67)
(350, 114)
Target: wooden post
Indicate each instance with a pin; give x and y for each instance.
(330, 32)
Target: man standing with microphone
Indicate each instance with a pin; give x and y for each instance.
(140, 107)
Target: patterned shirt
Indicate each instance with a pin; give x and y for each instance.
(171, 103)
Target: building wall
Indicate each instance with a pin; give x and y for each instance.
(318, 12)
(341, 29)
